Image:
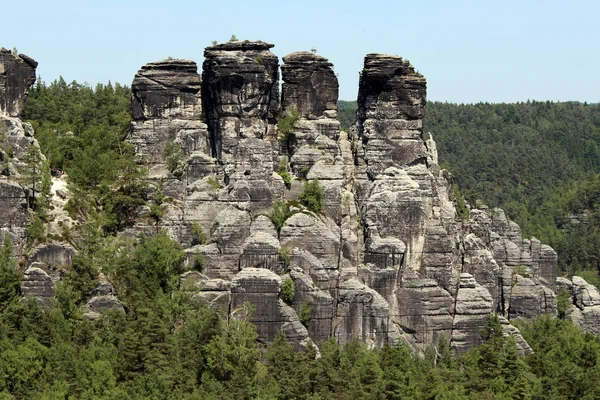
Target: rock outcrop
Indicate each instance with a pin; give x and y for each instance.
(382, 257)
(17, 74)
(386, 258)
(584, 303)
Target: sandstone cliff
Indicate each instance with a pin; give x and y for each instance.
(386, 258)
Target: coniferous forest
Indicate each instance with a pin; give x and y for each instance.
(539, 161)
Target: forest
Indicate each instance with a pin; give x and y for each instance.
(166, 345)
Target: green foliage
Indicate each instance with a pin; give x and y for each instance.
(305, 311)
(199, 262)
(523, 271)
(286, 126)
(311, 196)
(461, 206)
(33, 177)
(284, 255)
(284, 173)
(287, 291)
(36, 232)
(81, 131)
(346, 114)
(233, 38)
(198, 234)
(172, 154)
(152, 267)
(281, 212)
(563, 301)
(214, 183)
(9, 280)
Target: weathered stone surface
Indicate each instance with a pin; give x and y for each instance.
(584, 294)
(309, 85)
(261, 288)
(391, 106)
(52, 254)
(17, 74)
(387, 256)
(473, 304)
(166, 88)
(530, 300)
(103, 299)
(240, 92)
(523, 347)
(362, 314)
(39, 285)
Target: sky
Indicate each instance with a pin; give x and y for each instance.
(469, 51)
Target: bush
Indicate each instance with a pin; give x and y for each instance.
(172, 154)
(198, 262)
(287, 291)
(305, 313)
(199, 237)
(284, 255)
(283, 172)
(286, 125)
(280, 213)
(35, 230)
(311, 196)
(214, 183)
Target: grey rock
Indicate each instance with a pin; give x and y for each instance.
(17, 74)
(309, 85)
(38, 284)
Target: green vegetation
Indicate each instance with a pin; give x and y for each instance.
(286, 126)
(214, 183)
(305, 311)
(172, 154)
(81, 131)
(311, 196)
(284, 255)
(346, 113)
(281, 212)
(198, 234)
(287, 291)
(284, 173)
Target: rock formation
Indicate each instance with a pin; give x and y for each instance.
(17, 74)
(386, 258)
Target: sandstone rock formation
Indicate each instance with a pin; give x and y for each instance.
(386, 259)
(17, 74)
(584, 304)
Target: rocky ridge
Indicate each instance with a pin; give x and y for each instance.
(386, 258)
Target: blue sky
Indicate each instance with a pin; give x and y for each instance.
(469, 51)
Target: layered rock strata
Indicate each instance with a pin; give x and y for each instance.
(17, 74)
(385, 259)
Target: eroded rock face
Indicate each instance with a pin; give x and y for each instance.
(385, 259)
(241, 93)
(309, 85)
(17, 74)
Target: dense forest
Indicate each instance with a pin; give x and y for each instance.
(167, 345)
(539, 161)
